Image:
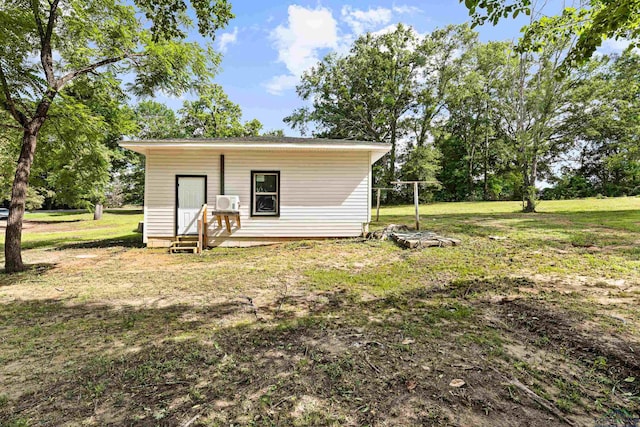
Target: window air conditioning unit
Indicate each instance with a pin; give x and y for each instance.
(227, 203)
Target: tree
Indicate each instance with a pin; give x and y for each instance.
(588, 25)
(274, 132)
(387, 88)
(90, 38)
(603, 123)
(153, 120)
(444, 52)
(592, 23)
(364, 94)
(421, 164)
(77, 144)
(214, 115)
(470, 103)
(533, 104)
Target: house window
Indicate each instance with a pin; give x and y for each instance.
(265, 189)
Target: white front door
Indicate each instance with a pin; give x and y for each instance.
(191, 197)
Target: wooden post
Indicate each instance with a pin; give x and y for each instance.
(205, 225)
(416, 196)
(379, 190)
(417, 203)
(199, 235)
(221, 175)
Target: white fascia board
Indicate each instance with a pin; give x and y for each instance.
(377, 150)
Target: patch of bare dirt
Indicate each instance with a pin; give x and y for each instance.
(267, 350)
(308, 374)
(572, 335)
(584, 284)
(331, 366)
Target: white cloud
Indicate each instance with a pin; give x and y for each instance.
(385, 30)
(405, 9)
(391, 28)
(278, 84)
(310, 33)
(227, 39)
(298, 43)
(615, 46)
(362, 21)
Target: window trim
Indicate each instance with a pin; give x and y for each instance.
(254, 194)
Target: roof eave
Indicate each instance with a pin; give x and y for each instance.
(377, 150)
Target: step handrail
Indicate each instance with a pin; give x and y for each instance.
(202, 228)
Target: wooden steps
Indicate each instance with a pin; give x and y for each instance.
(194, 243)
(185, 244)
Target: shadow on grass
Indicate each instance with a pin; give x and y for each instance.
(60, 213)
(167, 365)
(86, 211)
(130, 241)
(38, 269)
(133, 240)
(124, 211)
(52, 221)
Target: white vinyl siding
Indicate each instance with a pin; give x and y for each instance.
(322, 193)
(160, 186)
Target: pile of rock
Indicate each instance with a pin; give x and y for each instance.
(385, 233)
(412, 239)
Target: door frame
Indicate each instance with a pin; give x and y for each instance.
(176, 207)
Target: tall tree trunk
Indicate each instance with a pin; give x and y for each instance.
(520, 135)
(97, 212)
(530, 207)
(13, 236)
(485, 172)
(470, 181)
(530, 193)
(391, 173)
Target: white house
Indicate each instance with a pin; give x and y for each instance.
(287, 188)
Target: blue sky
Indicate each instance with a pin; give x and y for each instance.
(270, 43)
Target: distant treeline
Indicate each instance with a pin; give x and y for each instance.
(483, 120)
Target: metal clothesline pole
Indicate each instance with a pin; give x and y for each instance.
(378, 189)
(416, 197)
(416, 203)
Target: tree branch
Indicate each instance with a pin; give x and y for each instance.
(46, 54)
(8, 102)
(52, 20)
(35, 7)
(89, 68)
(45, 104)
(8, 126)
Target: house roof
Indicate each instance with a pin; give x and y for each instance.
(270, 143)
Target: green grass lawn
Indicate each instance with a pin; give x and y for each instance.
(71, 228)
(331, 332)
